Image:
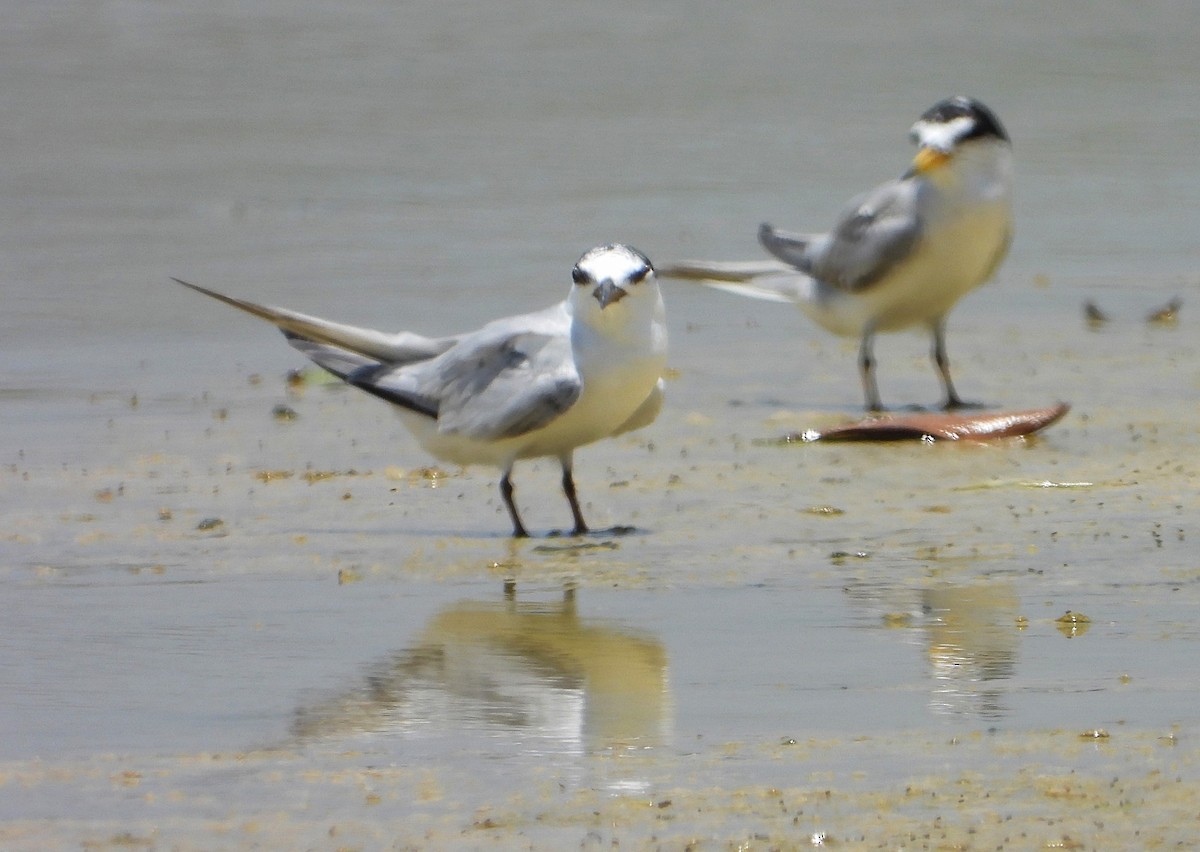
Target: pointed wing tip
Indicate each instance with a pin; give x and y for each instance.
(685, 271)
(261, 311)
(195, 287)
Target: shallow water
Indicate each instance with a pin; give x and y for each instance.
(227, 629)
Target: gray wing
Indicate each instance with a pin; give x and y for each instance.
(335, 346)
(491, 385)
(878, 230)
(341, 362)
(758, 279)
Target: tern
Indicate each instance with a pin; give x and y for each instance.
(902, 254)
(529, 386)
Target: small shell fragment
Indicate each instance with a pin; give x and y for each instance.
(1070, 617)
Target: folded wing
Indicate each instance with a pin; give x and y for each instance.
(487, 387)
(878, 230)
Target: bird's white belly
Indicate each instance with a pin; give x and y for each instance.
(605, 403)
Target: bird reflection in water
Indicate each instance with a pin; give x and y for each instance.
(532, 670)
(972, 640)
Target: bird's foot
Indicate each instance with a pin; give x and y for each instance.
(607, 532)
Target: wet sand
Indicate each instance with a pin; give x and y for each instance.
(246, 613)
(1053, 790)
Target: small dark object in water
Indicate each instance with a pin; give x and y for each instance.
(1168, 315)
(942, 426)
(1094, 316)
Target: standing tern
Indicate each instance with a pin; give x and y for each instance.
(902, 254)
(528, 386)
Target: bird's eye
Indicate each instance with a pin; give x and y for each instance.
(639, 275)
(579, 276)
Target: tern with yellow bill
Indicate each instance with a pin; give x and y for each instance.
(900, 255)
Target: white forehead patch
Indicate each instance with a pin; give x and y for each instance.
(942, 135)
(612, 262)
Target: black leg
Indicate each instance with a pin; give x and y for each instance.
(506, 491)
(568, 486)
(942, 362)
(866, 368)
